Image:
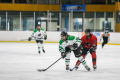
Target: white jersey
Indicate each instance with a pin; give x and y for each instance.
(70, 42)
(105, 34)
(38, 35)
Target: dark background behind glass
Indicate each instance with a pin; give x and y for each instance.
(6, 1)
(72, 1)
(48, 1)
(95, 1)
(2, 20)
(26, 1)
(111, 1)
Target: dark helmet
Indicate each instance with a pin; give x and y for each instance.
(64, 33)
(106, 29)
(37, 26)
(87, 30)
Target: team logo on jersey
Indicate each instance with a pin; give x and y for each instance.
(89, 44)
(39, 34)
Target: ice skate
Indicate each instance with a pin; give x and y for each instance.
(102, 46)
(43, 50)
(87, 68)
(76, 67)
(67, 67)
(39, 52)
(94, 67)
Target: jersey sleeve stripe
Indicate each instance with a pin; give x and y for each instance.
(102, 34)
(61, 49)
(78, 41)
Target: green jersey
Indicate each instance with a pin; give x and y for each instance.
(71, 41)
(39, 34)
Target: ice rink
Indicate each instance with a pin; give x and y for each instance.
(20, 61)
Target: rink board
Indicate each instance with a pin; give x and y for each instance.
(53, 37)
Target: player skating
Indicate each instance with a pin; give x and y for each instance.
(70, 43)
(39, 34)
(106, 37)
(89, 44)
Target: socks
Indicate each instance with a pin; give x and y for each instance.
(42, 46)
(67, 61)
(78, 62)
(93, 54)
(82, 60)
(38, 48)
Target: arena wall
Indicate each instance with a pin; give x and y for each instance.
(52, 36)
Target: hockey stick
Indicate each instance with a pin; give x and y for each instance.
(26, 39)
(77, 64)
(32, 39)
(40, 70)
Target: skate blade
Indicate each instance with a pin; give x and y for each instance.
(76, 69)
(89, 70)
(67, 70)
(94, 69)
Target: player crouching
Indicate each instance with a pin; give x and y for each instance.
(39, 34)
(71, 43)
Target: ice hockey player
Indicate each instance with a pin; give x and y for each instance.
(106, 37)
(70, 43)
(88, 44)
(39, 34)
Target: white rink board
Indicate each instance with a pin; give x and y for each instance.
(52, 36)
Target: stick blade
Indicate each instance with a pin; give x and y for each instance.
(71, 69)
(40, 70)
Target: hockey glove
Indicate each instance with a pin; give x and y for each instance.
(45, 37)
(92, 49)
(81, 46)
(75, 46)
(29, 39)
(63, 55)
(67, 49)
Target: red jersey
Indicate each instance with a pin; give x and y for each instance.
(89, 42)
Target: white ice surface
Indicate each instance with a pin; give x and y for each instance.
(20, 61)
